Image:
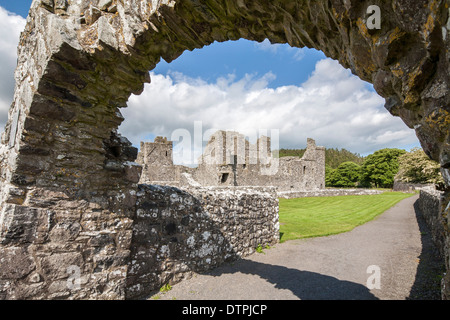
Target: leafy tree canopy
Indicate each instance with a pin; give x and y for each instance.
(416, 167)
(380, 168)
(345, 175)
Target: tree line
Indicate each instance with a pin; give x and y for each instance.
(345, 169)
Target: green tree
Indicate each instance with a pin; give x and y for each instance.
(416, 167)
(380, 168)
(334, 157)
(329, 172)
(345, 175)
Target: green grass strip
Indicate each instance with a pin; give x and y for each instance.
(323, 216)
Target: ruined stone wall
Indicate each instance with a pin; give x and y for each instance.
(411, 187)
(429, 204)
(177, 233)
(231, 160)
(156, 159)
(57, 247)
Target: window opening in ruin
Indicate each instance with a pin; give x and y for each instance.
(224, 177)
(115, 150)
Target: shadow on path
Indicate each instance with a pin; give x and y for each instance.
(305, 285)
(427, 285)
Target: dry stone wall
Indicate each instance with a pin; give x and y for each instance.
(170, 235)
(411, 187)
(429, 205)
(55, 247)
(177, 233)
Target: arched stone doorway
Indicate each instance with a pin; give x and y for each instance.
(64, 166)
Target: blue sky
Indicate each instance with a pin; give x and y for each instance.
(246, 57)
(19, 7)
(245, 86)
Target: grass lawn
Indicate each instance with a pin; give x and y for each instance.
(322, 216)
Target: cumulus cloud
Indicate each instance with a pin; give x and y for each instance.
(10, 27)
(297, 54)
(333, 106)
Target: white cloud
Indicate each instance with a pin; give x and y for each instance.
(296, 53)
(267, 46)
(10, 27)
(333, 106)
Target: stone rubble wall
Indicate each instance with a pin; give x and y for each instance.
(177, 233)
(429, 205)
(55, 247)
(411, 187)
(433, 206)
(172, 234)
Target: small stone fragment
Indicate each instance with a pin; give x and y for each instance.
(104, 4)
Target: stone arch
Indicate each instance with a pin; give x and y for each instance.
(64, 162)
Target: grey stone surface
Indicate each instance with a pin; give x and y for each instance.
(429, 205)
(178, 233)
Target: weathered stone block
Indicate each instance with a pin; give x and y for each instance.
(92, 14)
(104, 4)
(61, 4)
(21, 224)
(65, 231)
(55, 266)
(15, 263)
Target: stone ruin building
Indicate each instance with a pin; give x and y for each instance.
(74, 221)
(229, 159)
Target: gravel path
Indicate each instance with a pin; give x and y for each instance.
(394, 246)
